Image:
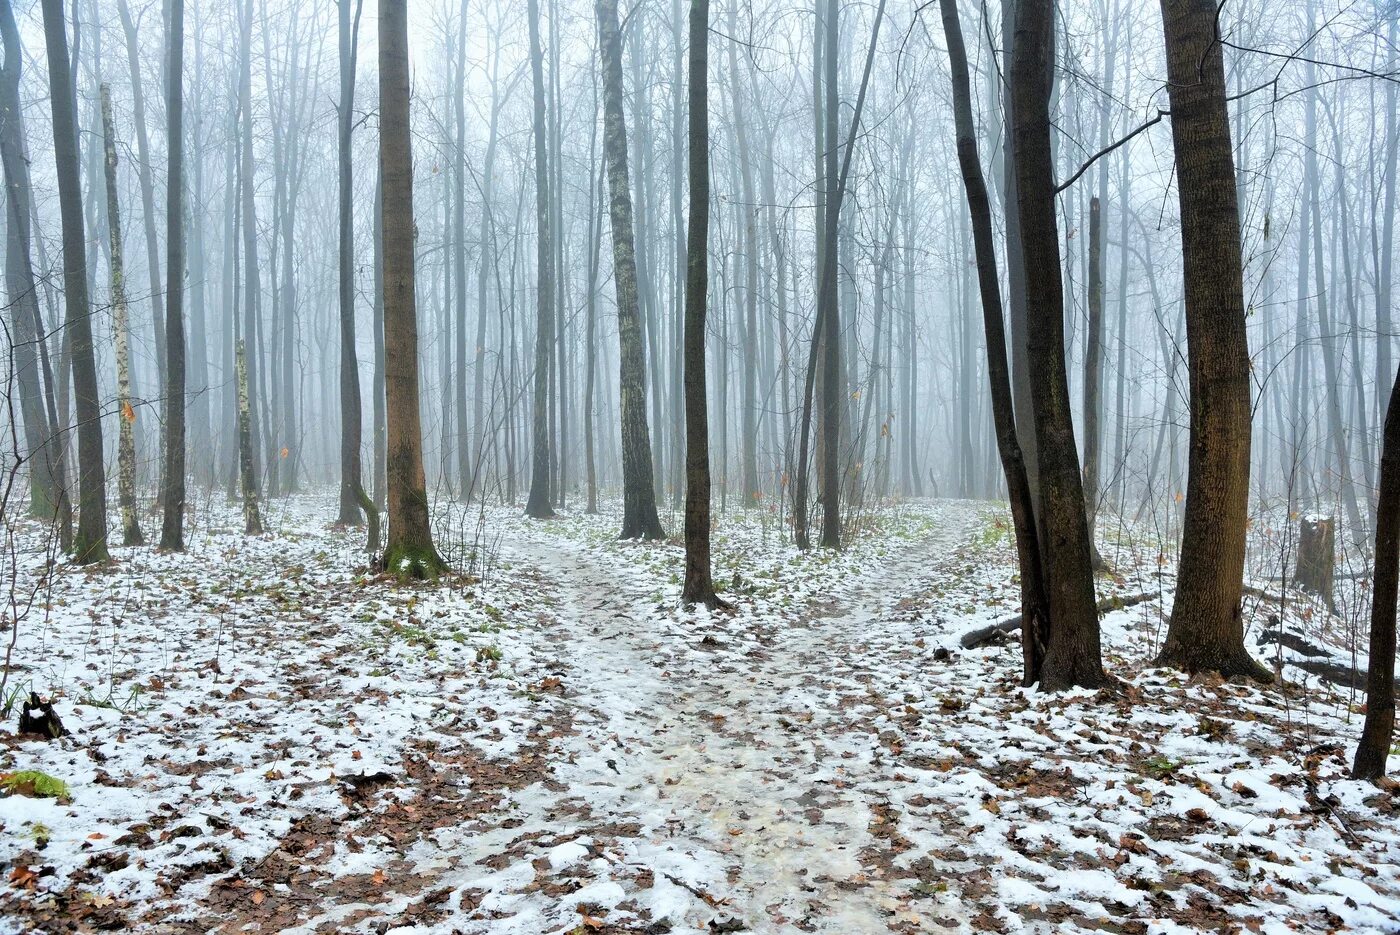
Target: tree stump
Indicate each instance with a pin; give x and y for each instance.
(1316, 555)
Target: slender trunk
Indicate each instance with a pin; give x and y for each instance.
(639, 516)
(126, 441)
(698, 587)
(539, 503)
(90, 543)
(1378, 729)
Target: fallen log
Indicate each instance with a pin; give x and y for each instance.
(974, 638)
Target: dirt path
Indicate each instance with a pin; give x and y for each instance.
(744, 749)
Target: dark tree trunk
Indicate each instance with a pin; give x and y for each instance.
(90, 543)
(1093, 374)
(698, 587)
(45, 494)
(1317, 556)
(1069, 635)
(539, 504)
(1207, 629)
(639, 517)
(410, 551)
(1033, 605)
(354, 502)
(1379, 726)
(172, 529)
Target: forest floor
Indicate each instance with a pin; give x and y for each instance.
(265, 739)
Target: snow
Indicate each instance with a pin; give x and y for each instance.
(265, 736)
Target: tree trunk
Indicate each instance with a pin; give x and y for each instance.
(1207, 629)
(539, 503)
(1093, 374)
(26, 329)
(1033, 606)
(121, 336)
(639, 517)
(1379, 726)
(252, 516)
(172, 530)
(410, 551)
(90, 543)
(1070, 632)
(698, 587)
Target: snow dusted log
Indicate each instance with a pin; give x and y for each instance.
(984, 635)
(1317, 536)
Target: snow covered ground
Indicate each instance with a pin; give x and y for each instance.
(265, 739)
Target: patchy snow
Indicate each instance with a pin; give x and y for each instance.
(266, 739)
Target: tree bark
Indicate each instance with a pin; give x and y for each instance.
(47, 499)
(90, 542)
(539, 503)
(252, 516)
(698, 586)
(121, 334)
(1070, 632)
(172, 530)
(1207, 629)
(1033, 605)
(1378, 729)
(639, 516)
(410, 551)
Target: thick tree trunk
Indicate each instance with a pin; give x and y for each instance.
(1317, 555)
(172, 530)
(410, 551)
(90, 543)
(121, 335)
(539, 504)
(1070, 632)
(1207, 629)
(1379, 727)
(639, 517)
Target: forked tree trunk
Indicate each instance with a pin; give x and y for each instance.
(1379, 726)
(539, 504)
(639, 517)
(698, 586)
(172, 530)
(90, 543)
(1069, 634)
(410, 551)
(121, 335)
(1207, 629)
(1033, 607)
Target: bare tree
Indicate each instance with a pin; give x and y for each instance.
(1065, 648)
(698, 586)
(539, 504)
(639, 517)
(90, 543)
(1207, 629)
(121, 334)
(172, 532)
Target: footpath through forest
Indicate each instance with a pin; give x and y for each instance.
(262, 743)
